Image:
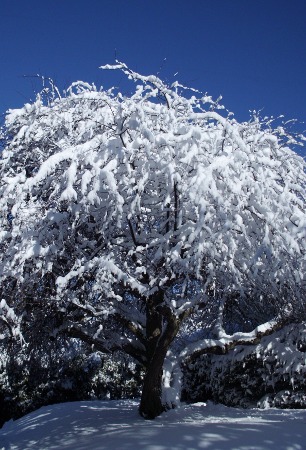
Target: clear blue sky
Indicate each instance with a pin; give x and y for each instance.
(253, 52)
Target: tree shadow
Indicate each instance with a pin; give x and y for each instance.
(116, 425)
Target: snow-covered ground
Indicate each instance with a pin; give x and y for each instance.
(100, 425)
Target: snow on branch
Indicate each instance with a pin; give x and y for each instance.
(103, 264)
(226, 342)
(11, 321)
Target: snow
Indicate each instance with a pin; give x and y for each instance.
(116, 425)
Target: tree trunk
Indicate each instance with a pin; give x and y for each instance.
(158, 344)
(151, 399)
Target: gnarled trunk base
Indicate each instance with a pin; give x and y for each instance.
(151, 399)
(151, 403)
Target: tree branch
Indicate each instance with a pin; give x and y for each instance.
(107, 345)
(227, 342)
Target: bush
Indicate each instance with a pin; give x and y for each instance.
(272, 373)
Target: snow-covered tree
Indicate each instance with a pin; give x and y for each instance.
(147, 223)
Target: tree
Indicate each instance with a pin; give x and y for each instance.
(149, 224)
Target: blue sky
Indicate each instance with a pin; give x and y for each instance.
(252, 52)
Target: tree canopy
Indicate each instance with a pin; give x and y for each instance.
(149, 223)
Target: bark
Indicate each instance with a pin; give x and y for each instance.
(151, 399)
(151, 404)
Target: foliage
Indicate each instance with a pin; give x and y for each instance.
(271, 373)
(29, 379)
